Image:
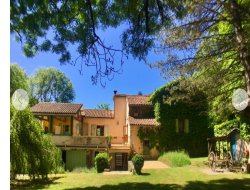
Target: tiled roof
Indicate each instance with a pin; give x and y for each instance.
(56, 108)
(142, 121)
(98, 113)
(138, 100)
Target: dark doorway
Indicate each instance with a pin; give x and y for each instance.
(146, 147)
(64, 157)
(121, 161)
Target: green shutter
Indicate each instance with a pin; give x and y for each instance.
(186, 129)
(176, 126)
(75, 159)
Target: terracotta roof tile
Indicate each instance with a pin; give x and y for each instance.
(138, 100)
(56, 108)
(142, 121)
(98, 113)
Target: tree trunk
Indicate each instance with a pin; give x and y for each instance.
(241, 42)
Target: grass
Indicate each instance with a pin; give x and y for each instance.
(175, 159)
(84, 170)
(188, 177)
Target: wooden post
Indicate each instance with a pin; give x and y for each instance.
(71, 127)
(51, 123)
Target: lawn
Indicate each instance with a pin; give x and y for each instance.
(189, 177)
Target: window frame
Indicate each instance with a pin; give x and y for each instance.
(102, 130)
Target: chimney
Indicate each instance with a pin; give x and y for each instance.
(115, 92)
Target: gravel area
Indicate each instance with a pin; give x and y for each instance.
(151, 164)
(217, 172)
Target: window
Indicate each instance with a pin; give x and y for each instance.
(146, 149)
(100, 130)
(182, 125)
(66, 130)
(46, 129)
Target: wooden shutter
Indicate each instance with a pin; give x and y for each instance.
(106, 130)
(176, 126)
(186, 129)
(93, 130)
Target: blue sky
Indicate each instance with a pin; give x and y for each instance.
(136, 76)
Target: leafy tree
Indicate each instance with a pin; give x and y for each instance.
(103, 106)
(31, 151)
(18, 79)
(209, 40)
(51, 85)
(57, 25)
(210, 48)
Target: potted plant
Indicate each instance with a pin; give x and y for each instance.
(109, 139)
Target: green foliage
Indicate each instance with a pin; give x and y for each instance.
(138, 162)
(31, 151)
(149, 133)
(109, 139)
(175, 159)
(59, 170)
(101, 161)
(209, 50)
(76, 23)
(103, 106)
(223, 128)
(51, 85)
(168, 109)
(18, 79)
(245, 131)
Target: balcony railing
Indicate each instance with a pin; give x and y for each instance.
(81, 141)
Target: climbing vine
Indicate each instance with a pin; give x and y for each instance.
(194, 109)
(223, 128)
(149, 133)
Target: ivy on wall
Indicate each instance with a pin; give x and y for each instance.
(149, 133)
(168, 109)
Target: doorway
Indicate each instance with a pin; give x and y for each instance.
(121, 161)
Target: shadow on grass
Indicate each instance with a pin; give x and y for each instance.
(33, 184)
(221, 184)
(145, 173)
(131, 186)
(234, 184)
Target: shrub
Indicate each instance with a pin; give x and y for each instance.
(101, 162)
(59, 170)
(175, 159)
(138, 162)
